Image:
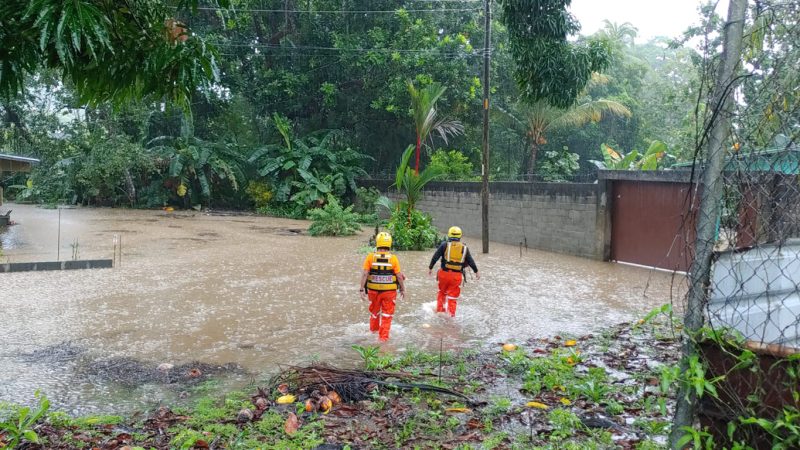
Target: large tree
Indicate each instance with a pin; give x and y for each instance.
(548, 67)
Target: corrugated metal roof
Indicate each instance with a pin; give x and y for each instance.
(774, 159)
(756, 293)
(19, 158)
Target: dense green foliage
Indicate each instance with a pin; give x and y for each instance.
(412, 229)
(333, 220)
(114, 51)
(309, 99)
(549, 68)
(558, 166)
(452, 165)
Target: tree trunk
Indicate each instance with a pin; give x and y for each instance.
(532, 161)
(419, 146)
(700, 270)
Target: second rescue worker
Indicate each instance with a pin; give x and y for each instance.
(455, 255)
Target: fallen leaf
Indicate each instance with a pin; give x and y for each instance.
(292, 424)
(284, 399)
(565, 402)
(457, 410)
(283, 388)
(536, 405)
(474, 423)
(570, 343)
(200, 444)
(346, 411)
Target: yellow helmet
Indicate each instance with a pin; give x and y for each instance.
(383, 240)
(454, 233)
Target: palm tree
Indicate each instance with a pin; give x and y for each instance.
(538, 119)
(426, 119)
(410, 182)
(620, 35)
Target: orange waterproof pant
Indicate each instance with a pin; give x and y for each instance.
(381, 309)
(449, 290)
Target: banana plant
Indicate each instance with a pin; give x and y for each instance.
(633, 160)
(198, 165)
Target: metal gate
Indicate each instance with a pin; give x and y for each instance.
(649, 224)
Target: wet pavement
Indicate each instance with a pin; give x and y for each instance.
(257, 292)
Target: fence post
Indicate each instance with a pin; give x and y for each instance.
(718, 131)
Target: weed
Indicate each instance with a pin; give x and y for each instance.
(187, 439)
(494, 440)
(614, 408)
(453, 423)
(564, 423)
(16, 423)
(652, 427)
(518, 361)
(500, 405)
(405, 433)
(373, 359)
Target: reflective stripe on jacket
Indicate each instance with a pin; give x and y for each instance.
(381, 273)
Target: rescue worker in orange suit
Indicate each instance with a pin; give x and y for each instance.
(380, 281)
(455, 256)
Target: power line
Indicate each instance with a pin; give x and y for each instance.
(359, 50)
(335, 11)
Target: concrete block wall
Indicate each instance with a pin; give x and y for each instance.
(559, 217)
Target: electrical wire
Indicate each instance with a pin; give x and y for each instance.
(338, 49)
(342, 11)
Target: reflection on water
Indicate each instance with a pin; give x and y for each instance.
(252, 291)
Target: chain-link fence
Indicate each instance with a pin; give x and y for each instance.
(740, 375)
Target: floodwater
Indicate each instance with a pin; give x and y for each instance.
(258, 292)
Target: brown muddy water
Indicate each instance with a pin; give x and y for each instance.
(256, 293)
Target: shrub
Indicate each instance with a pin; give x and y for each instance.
(558, 166)
(333, 220)
(290, 210)
(453, 165)
(259, 193)
(420, 234)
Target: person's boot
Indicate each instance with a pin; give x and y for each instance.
(386, 324)
(451, 306)
(440, 303)
(374, 322)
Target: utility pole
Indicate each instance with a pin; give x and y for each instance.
(700, 271)
(485, 157)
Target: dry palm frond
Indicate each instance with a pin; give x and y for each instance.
(353, 385)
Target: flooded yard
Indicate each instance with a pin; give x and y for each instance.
(240, 295)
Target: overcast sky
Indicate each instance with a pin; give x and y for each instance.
(653, 18)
